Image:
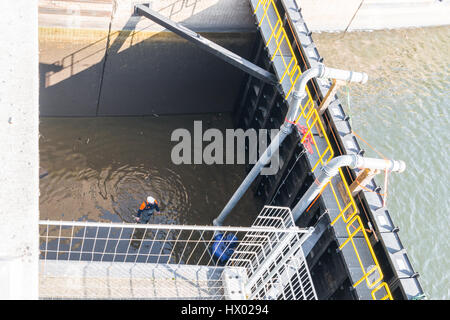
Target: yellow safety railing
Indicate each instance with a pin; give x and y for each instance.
(348, 214)
(292, 70)
(347, 211)
(352, 230)
(375, 268)
(278, 33)
(312, 120)
(384, 286)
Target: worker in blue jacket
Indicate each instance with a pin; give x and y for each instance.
(146, 210)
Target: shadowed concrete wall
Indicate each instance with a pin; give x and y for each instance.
(97, 59)
(164, 74)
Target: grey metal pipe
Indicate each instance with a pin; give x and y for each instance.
(299, 93)
(345, 75)
(285, 130)
(300, 90)
(332, 169)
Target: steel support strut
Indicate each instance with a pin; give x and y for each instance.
(207, 45)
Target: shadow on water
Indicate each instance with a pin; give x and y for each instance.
(101, 169)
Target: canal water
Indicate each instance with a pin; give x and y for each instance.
(101, 169)
(403, 113)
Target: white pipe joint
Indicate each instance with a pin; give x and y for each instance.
(381, 164)
(331, 169)
(355, 161)
(321, 71)
(344, 75)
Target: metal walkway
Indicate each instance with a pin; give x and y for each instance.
(88, 260)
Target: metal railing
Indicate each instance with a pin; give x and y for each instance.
(278, 34)
(275, 264)
(314, 124)
(372, 270)
(279, 46)
(346, 210)
(349, 214)
(122, 261)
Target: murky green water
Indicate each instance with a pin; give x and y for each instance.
(403, 111)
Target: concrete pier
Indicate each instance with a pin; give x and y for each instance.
(19, 155)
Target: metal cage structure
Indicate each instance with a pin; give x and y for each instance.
(91, 260)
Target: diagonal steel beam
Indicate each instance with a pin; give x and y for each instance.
(208, 45)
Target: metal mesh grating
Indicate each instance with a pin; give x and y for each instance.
(91, 260)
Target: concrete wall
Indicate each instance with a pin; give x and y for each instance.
(97, 59)
(336, 15)
(19, 156)
(139, 74)
(200, 15)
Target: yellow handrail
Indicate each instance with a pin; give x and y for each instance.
(279, 34)
(351, 235)
(348, 212)
(373, 268)
(311, 119)
(387, 296)
(292, 71)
